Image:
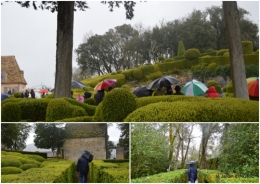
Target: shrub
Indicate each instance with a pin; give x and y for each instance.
(154, 75)
(28, 166)
(90, 109)
(60, 109)
(192, 53)
(98, 113)
(209, 50)
(212, 66)
(181, 49)
(215, 84)
(17, 95)
(168, 60)
(226, 54)
(36, 157)
(10, 170)
(117, 104)
(50, 95)
(209, 110)
(78, 119)
(221, 52)
(127, 87)
(128, 74)
(147, 69)
(11, 112)
(247, 47)
(160, 58)
(90, 101)
(10, 162)
(137, 74)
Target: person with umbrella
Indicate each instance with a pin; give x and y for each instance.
(192, 172)
(83, 167)
(99, 96)
(168, 90)
(178, 90)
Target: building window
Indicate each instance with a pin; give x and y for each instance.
(3, 76)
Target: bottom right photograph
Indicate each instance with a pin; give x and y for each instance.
(194, 153)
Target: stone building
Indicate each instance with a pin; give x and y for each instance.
(12, 78)
(85, 136)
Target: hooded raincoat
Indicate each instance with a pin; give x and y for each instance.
(212, 92)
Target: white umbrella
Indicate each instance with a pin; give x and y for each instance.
(194, 88)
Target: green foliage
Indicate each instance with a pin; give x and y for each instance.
(117, 104)
(60, 109)
(50, 95)
(212, 163)
(10, 112)
(251, 59)
(209, 176)
(144, 154)
(168, 60)
(10, 163)
(10, 170)
(154, 75)
(128, 74)
(178, 176)
(90, 101)
(98, 113)
(239, 180)
(181, 49)
(147, 69)
(127, 87)
(247, 47)
(192, 54)
(17, 95)
(77, 119)
(90, 109)
(104, 172)
(137, 74)
(236, 110)
(212, 66)
(215, 84)
(28, 166)
(160, 58)
(36, 157)
(221, 52)
(240, 151)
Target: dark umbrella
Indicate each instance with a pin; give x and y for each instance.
(191, 162)
(143, 91)
(87, 155)
(77, 84)
(4, 96)
(163, 82)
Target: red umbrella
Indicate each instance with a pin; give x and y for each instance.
(253, 86)
(44, 91)
(105, 84)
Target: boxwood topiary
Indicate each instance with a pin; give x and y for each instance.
(192, 53)
(10, 170)
(36, 157)
(8, 162)
(212, 66)
(17, 95)
(215, 84)
(11, 112)
(28, 166)
(117, 104)
(90, 109)
(221, 52)
(90, 101)
(247, 47)
(137, 74)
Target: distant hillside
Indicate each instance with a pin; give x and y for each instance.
(31, 147)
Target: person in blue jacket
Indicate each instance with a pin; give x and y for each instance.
(82, 166)
(192, 173)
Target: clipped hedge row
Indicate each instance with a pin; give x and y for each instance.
(209, 110)
(10, 170)
(212, 163)
(11, 112)
(179, 176)
(101, 172)
(77, 119)
(209, 176)
(90, 109)
(50, 172)
(59, 109)
(239, 180)
(12, 152)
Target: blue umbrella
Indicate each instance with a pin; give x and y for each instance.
(77, 84)
(4, 96)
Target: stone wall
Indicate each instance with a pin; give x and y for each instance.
(95, 145)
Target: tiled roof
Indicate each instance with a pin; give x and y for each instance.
(13, 74)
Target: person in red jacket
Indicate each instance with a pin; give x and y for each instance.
(212, 92)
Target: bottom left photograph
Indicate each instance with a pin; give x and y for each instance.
(65, 153)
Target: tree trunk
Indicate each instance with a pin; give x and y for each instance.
(64, 47)
(231, 15)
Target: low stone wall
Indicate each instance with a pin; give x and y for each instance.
(96, 146)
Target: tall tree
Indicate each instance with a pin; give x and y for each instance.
(13, 136)
(49, 136)
(65, 19)
(124, 137)
(231, 15)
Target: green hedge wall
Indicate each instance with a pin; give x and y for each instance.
(101, 172)
(77, 119)
(212, 163)
(209, 110)
(128, 74)
(11, 112)
(90, 109)
(178, 176)
(247, 47)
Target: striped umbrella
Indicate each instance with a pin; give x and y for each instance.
(253, 86)
(194, 88)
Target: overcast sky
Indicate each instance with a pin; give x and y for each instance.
(30, 35)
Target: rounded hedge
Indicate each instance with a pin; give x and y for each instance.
(37, 158)
(28, 166)
(221, 52)
(215, 84)
(90, 101)
(117, 104)
(8, 162)
(11, 112)
(98, 113)
(192, 53)
(247, 47)
(17, 95)
(137, 74)
(210, 110)
(212, 66)
(10, 170)
(127, 87)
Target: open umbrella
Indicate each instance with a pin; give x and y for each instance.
(143, 91)
(105, 84)
(4, 96)
(43, 91)
(77, 84)
(163, 82)
(191, 162)
(253, 86)
(194, 88)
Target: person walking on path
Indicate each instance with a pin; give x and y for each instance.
(83, 167)
(192, 173)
